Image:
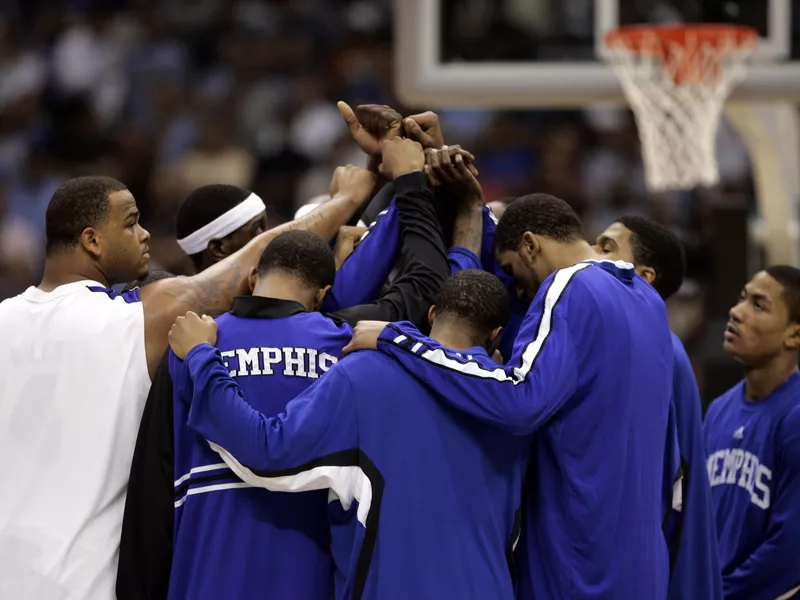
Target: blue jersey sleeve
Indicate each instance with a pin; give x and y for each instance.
(773, 569)
(281, 453)
(490, 265)
(691, 533)
(461, 259)
(540, 377)
(363, 273)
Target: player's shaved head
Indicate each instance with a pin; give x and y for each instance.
(302, 255)
(474, 299)
(77, 204)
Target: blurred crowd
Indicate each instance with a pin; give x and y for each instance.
(191, 92)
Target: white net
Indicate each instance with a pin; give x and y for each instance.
(676, 87)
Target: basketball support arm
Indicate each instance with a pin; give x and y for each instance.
(771, 132)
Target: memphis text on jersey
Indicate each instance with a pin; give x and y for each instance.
(289, 362)
(734, 466)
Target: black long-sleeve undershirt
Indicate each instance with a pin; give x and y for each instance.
(423, 257)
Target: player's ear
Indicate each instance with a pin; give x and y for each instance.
(530, 246)
(792, 338)
(216, 249)
(647, 273)
(494, 340)
(251, 279)
(319, 297)
(431, 315)
(90, 240)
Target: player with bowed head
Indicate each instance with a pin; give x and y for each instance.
(594, 389)
(377, 438)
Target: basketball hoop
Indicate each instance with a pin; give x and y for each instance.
(676, 79)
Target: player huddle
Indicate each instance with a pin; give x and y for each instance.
(437, 405)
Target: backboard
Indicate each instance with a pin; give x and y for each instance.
(524, 54)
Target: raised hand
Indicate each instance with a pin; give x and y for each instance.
(371, 124)
(346, 242)
(353, 181)
(401, 156)
(425, 129)
(447, 169)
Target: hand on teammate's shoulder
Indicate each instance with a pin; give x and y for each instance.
(365, 336)
(191, 330)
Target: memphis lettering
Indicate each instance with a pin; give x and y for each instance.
(734, 466)
(289, 362)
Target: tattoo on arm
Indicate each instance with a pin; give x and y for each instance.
(468, 228)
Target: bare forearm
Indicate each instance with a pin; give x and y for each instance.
(215, 288)
(468, 228)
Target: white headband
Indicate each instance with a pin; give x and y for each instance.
(224, 224)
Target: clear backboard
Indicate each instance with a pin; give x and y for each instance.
(526, 54)
(551, 50)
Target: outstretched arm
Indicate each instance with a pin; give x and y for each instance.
(448, 171)
(363, 273)
(540, 377)
(421, 247)
(213, 290)
(316, 427)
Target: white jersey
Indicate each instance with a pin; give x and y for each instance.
(73, 386)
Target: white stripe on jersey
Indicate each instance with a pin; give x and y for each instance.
(347, 483)
(532, 350)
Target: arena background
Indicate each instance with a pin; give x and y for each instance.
(204, 91)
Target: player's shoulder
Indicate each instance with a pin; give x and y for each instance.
(103, 294)
(589, 277)
(578, 290)
(86, 297)
(725, 400)
(788, 432)
(13, 311)
(679, 352)
(331, 322)
(13, 303)
(367, 366)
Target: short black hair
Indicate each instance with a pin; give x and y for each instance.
(789, 278)
(154, 275)
(476, 298)
(77, 204)
(301, 254)
(202, 206)
(655, 246)
(541, 214)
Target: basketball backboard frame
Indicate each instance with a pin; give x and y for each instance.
(421, 79)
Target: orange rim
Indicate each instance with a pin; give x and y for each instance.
(692, 66)
(633, 36)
